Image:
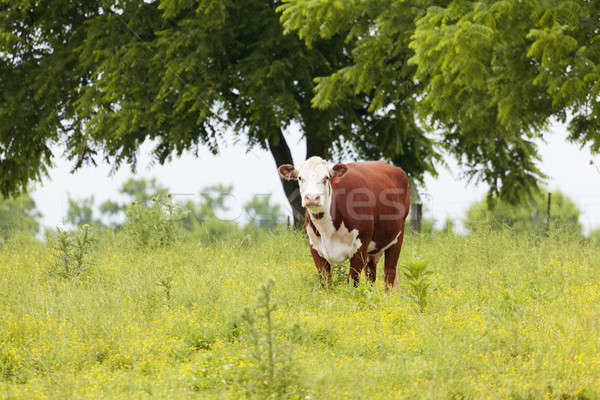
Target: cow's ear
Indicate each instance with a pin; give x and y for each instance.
(288, 172)
(338, 170)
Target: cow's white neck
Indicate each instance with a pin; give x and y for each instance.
(335, 245)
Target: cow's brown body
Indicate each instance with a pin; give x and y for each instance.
(372, 198)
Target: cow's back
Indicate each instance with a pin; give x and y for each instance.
(389, 202)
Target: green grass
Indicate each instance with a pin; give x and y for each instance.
(507, 317)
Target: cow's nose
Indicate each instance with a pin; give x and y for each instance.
(311, 198)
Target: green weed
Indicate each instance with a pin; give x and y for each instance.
(271, 373)
(72, 252)
(166, 284)
(419, 285)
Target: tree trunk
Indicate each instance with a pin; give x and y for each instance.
(315, 146)
(282, 155)
(316, 133)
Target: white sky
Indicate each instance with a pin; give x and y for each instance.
(446, 196)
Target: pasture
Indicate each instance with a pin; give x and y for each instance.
(507, 316)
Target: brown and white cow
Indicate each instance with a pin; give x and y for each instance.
(354, 211)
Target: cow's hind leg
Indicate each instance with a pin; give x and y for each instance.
(391, 261)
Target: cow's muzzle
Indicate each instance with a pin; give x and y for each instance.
(312, 200)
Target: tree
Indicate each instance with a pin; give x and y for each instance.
(488, 76)
(204, 214)
(18, 215)
(528, 217)
(104, 76)
(81, 212)
(262, 213)
(139, 190)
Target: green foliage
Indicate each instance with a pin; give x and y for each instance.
(262, 213)
(72, 252)
(419, 285)
(271, 374)
(104, 76)
(81, 212)
(528, 217)
(594, 237)
(496, 73)
(157, 224)
(166, 284)
(486, 76)
(204, 218)
(212, 205)
(18, 214)
(140, 190)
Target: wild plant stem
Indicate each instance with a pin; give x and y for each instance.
(269, 334)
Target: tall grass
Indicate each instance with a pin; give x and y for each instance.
(509, 316)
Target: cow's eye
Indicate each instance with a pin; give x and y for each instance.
(299, 179)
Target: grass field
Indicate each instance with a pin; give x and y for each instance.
(508, 316)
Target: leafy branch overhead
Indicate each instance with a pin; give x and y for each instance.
(375, 79)
(488, 77)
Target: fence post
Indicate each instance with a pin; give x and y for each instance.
(289, 225)
(416, 212)
(548, 213)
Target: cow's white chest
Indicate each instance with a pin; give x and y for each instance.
(336, 246)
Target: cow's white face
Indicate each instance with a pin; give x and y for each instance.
(314, 181)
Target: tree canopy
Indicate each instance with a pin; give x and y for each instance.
(487, 77)
(104, 76)
(375, 79)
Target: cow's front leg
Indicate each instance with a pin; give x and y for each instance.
(371, 269)
(357, 263)
(323, 267)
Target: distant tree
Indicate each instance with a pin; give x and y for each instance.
(262, 213)
(528, 217)
(211, 206)
(80, 212)
(18, 215)
(139, 190)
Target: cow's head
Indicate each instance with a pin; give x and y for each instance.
(313, 178)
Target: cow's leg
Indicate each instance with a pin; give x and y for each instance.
(391, 260)
(357, 263)
(323, 267)
(371, 269)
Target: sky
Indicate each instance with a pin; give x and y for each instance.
(254, 172)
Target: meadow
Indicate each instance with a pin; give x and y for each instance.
(507, 316)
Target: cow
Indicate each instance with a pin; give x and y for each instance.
(354, 211)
